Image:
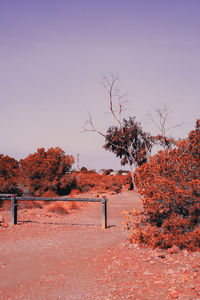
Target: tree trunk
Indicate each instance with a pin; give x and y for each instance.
(132, 177)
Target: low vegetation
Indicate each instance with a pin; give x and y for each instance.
(170, 187)
(168, 184)
(49, 174)
(9, 174)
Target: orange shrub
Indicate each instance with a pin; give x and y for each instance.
(91, 181)
(59, 208)
(62, 208)
(9, 173)
(45, 171)
(30, 204)
(170, 186)
(73, 205)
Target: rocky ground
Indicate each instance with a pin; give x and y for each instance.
(52, 256)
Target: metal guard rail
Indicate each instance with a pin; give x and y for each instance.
(14, 200)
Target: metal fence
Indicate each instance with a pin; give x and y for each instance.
(14, 204)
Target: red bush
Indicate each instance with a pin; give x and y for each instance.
(170, 186)
(92, 181)
(9, 173)
(45, 171)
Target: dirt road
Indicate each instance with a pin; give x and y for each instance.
(48, 256)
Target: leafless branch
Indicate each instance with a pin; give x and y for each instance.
(113, 91)
(175, 126)
(161, 121)
(92, 126)
(186, 149)
(162, 113)
(114, 94)
(94, 129)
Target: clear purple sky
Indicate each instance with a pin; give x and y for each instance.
(53, 55)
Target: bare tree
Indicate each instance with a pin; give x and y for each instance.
(127, 140)
(161, 121)
(114, 92)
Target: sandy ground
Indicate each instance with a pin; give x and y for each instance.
(49, 256)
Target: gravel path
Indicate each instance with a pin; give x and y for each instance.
(49, 256)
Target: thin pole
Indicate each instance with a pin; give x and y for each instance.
(104, 213)
(13, 210)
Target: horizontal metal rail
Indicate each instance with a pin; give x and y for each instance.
(14, 200)
(5, 196)
(59, 199)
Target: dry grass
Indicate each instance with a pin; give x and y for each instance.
(62, 208)
(58, 208)
(73, 205)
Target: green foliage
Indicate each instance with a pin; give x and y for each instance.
(129, 142)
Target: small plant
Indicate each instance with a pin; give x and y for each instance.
(58, 208)
(73, 205)
(31, 204)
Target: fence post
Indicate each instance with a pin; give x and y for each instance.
(104, 213)
(13, 210)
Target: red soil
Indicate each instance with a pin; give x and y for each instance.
(51, 256)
